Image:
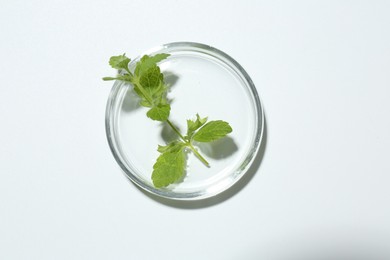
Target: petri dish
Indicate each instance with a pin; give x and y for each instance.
(202, 80)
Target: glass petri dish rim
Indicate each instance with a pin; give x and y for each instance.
(110, 121)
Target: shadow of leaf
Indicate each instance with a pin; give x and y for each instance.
(219, 149)
(170, 79)
(130, 101)
(167, 134)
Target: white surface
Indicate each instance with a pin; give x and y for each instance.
(322, 188)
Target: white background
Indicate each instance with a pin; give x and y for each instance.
(320, 185)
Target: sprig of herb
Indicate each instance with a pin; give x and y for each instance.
(148, 82)
(170, 165)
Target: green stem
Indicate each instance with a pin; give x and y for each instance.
(201, 158)
(128, 71)
(143, 91)
(198, 154)
(176, 131)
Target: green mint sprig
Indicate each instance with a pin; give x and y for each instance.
(170, 165)
(148, 82)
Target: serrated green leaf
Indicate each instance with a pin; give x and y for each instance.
(212, 131)
(152, 82)
(159, 112)
(151, 78)
(172, 147)
(168, 168)
(147, 62)
(192, 125)
(119, 62)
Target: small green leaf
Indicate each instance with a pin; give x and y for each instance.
(159, 112)
(109, 78)
(119, 62)
(168, 168)
(151, 78)
(213, 130)
(153, 86)
(192, 126)
(147, 62)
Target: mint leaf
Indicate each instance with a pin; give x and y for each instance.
(119, 62)
(147, 85)
(168, 168)
(147, 62)
(150, 87)
(192, 126)
(213, 130)
(151, 78)
(159, 112)
(152, 96)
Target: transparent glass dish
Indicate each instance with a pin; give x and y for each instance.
(201, 80)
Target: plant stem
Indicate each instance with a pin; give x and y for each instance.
(188, 143)
(176, 130)
(146, 95)
(201, 158)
